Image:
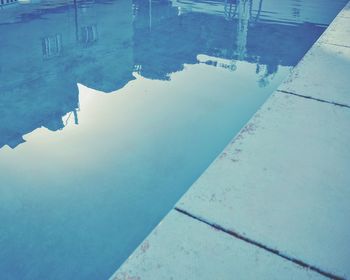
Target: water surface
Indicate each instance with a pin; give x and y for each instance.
(111, 109)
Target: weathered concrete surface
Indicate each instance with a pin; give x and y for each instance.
(323, 73)
(183, 248)
(338, 32)
(346, 11)
(284, 182)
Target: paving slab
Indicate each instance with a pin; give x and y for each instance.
(346, 11)
(183, 248)
(323, 73)
(284, 182)
(338, 33)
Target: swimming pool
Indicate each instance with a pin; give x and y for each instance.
(111, 109)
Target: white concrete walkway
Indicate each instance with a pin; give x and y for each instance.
(276, 203)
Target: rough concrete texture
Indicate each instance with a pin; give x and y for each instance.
(338, 33)
(346, 11)
(284, 182)
(323, 73)
(183, 248)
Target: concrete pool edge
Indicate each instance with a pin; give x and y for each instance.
(157, 257)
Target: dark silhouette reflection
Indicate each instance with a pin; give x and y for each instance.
(4, 3)
(49, 51)
(46, 49)
(229, 29)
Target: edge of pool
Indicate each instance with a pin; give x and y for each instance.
(199, 235)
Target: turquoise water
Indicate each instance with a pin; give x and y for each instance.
(110, 110)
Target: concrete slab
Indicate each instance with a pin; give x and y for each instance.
(338, 32)
(346, 11)
(323, 73)
(183, 248)
(284, 182)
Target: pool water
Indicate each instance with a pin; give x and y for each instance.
(110, 110)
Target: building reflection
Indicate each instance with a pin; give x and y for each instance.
(4, 3)
(230, 29)
(48, 48)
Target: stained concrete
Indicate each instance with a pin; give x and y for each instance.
(322, 74)
(284, 182)
(184, 248)
(324, 71)
(338, 33)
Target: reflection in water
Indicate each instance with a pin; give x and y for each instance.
(40, 72)
(153, 38)
(98, 171)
